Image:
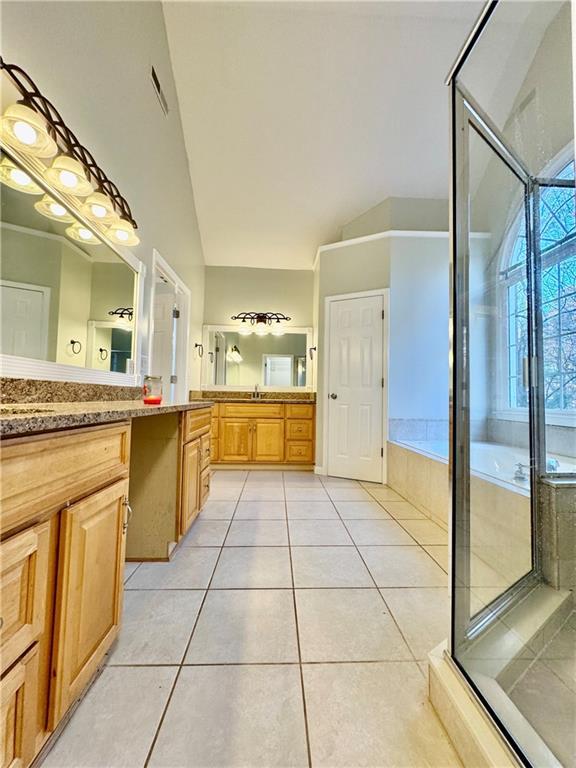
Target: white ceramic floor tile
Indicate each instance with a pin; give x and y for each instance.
(129, 570)
(402, 510)
(426, 532)
(116, 721)
(361, 510)
(375, 715)
(225, 492)
(301, 493)
(329, 567)
(378, 532)
(260, 510)
(263, 493)
(218, 510)
(440, 554)
(234, 717)
(337, 493)
(191, 568)
(229, 475)
(206, 533)
(265, 476)
(423, 615)
(383, 493)
(403, 567)
(347, 625)
(305, 479)
(318, 533)
(253, 568)
(311, 510)
(339, 482)
(245, 627)
(257, 533)
(156, 626)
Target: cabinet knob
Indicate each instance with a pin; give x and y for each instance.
(333, 396)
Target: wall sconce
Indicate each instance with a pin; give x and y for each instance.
(312, 351)
(200, 348)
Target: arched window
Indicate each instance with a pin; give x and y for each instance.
(558, 249)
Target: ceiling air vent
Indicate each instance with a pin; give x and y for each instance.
(159, 91)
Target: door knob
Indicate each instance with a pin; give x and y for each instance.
(333, 395)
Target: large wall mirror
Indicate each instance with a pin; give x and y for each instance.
(66, 296)
(238, 359)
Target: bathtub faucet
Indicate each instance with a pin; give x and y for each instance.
(520, 474)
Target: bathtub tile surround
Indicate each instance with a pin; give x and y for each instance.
(558, 533)
(301, 640)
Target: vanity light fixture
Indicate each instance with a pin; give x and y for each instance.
(99, 208)
(33, 126)
(53, 210)
(16, 178)
(67, 175)
(245, 331)
(122, 232)
(123, 313)
(234, 355)
(82, 235)
(26, 130)
(261, 318)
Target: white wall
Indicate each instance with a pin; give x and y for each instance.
(93, 60)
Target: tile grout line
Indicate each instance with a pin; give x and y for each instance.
(181, 665)
(305, 710)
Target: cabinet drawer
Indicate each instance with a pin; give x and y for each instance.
(299, 452)
(24, 583)
(299, 411)
(46, 472)
(18, 696)
(196, 423)
(252, 410)
(299, 430)
(205, 451)
(204, 486)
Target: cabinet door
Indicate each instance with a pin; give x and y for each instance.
(89, 601)
(190, 505)
(268, 440)
(235, 439)
(18, 694)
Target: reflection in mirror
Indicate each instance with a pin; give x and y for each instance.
(59, 286)
(237, 359)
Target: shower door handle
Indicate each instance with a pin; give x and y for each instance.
(525, 373)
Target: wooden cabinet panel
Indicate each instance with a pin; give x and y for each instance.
(89, 592)
(268, 440)
(190, 505)
(214, 451)
(204, 486)
(196, 423)
(299, 410)
(251, 410)
(18, 697)
(299, 452)
(24, 582)
(205, 451)
(299, 430)
(235, 440)
(43, 473)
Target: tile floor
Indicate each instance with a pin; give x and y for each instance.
(290, 629)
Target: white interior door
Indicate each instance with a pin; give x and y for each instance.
(164, 337)
(24, 320)
(355, 392)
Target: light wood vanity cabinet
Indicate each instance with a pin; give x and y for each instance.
(264, 433)
(64, 517)
(190, 504)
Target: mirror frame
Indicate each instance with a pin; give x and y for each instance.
(310, 368)
(12, 366)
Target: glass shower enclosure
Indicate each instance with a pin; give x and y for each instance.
(513, 442)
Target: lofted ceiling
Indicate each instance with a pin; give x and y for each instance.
(298, 117)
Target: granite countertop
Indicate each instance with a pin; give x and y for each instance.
(25, 418)
(260, 400)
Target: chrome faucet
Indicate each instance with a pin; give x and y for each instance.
(520, 474)
(256, 395)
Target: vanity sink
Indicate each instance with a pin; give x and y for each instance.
(9, 410)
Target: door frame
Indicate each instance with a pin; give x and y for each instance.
(323, 390)
(46, 291)
(160, 267)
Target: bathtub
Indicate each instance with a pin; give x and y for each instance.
(496, 463)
